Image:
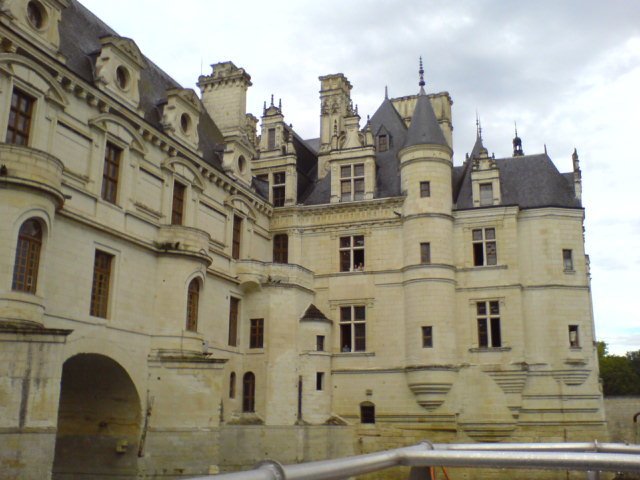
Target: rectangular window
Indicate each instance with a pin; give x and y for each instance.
(278, 189)
(20, 114)
(112, 156)
(271, 138)
(484, 247)
(352, 182)
(486, 194)
(319, 380)
(488, 316)
(352, 329)
(281, 248)
(234, 305)
(383, 143)
(237, 235)
(425, 252)
(101, 281)
(425, 189)
(177, 206)
(567, 260)
(427, 337)
(574, 338)
(320, 343)
(256, 335)
(352, 253)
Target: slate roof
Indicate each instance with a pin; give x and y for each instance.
(529, 181)
(313, 313)
(80, 33)
(424, 128)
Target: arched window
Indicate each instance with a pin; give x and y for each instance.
(249, 392)
(367, 412)
(25, 269)
(232, 385)
(193, 296)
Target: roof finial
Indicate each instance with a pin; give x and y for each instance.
(516, 127)
(386, 93)
(272, 99)
(421, 72)
(280, 104)
(517, 143)
(478, 127)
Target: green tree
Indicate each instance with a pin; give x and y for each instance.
(620, 374)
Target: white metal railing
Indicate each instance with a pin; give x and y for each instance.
(590, 457)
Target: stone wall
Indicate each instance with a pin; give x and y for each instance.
(620, 411)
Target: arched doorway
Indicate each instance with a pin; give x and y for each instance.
(99, 420)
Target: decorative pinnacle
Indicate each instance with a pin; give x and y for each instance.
(421, 72)
(280, 104)
(516, 127)
(386, 93)
(272, 99)
(478, 127)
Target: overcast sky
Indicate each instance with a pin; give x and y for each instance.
(568, 72)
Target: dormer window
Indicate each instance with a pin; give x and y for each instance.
(122, 77)
(271, 138)
(36, 14)
(185, 123)
(352, 182)
(383, 143)
(486, 194)
(279, 188)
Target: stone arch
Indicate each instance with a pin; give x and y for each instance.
(102, 122)
(173, 163)
(55, 91)
(99, 420)
(239, 204)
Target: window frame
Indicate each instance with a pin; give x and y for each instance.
(256, 333)
(234, 311)
(18, 114)
(367, 412)
(351, 253)
(101, 284)
(232, 385)
(485, 247)
(425, 189)
(353, 328)
(574, 340)
(352, 185)
(271, 139)
(320, 343)
(111, 172)
(489, 324)
(278, 188)
(27, 258)
(281, 248)
(236, 237)
(193, 300)
(427, 336)
(177, 203)
(383, 142)
(425, 253)
(320, 381)
(567, 260)
(249, 392)
(484, 189)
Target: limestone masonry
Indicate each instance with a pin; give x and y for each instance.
(184, 291)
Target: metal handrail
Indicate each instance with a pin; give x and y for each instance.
(588, 456)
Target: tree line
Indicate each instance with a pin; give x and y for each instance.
(620, 374)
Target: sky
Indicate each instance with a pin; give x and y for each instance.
(568, 72)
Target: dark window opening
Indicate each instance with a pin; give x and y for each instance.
(425, 189)
(320, 343)
(574, 338)
(249, 392)
(425, 252)
(101, 282)
(193, 297)
(367, 412)
(278, 190)
(271, 138)
(110, 173)
(237, 235)
(256, 334)
(232, 385)
(27, 260)
(427, 337)
(281, 248)
(177, 206)
(484, 247)
(488, 316)
(319, 380)
(383, 143)
(567, 260)
(352, 253)
(353, 329)
(20, 113)
(234, 304)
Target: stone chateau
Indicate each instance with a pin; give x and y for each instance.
(187, 288)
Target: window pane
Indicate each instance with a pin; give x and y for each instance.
(491, 253)
(358, 170)
(345, 261)
(345, 172)
(483, 340)
(477, 235)
(490, 233)
(494, 308)
(345, 242)
(358, 240)
(496, 341)
(478, 254)
(359, 312)
(360, 345)
(345, 314)
(345, 337)
(481, 308)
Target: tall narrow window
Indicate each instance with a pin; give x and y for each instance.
(271, 138)
(353, 329)
(110, 173)
(427, 336)
(488, 315)
(425, 252)
(249, 392)
(278, 189)
(237, 236)
(234, 303)
(319, 380)
(177, 206)
(193, 296)
(425, 189)
(25, 268)
(101, 281)
(232, 385)
(484, 247)
(281, 248)
(256, 333)
(320, 343)
(352, 253)
(574, 338)
(20, 114)
(567, 260)
(486, 194)
(367, 412)
(352, 182)
(383, 143)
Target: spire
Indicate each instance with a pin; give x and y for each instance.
(517, 143)
(272, 99)
(478, 128)
(421, 82)
(424, 128)
(386, 93)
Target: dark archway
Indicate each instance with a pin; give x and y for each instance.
(99, 420)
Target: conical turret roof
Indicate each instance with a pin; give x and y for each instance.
(424, 128)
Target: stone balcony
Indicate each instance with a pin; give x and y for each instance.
(254, 273)
(20, 308)
(31, 168)
(181, 240)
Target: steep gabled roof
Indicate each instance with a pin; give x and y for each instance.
(313, 313)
